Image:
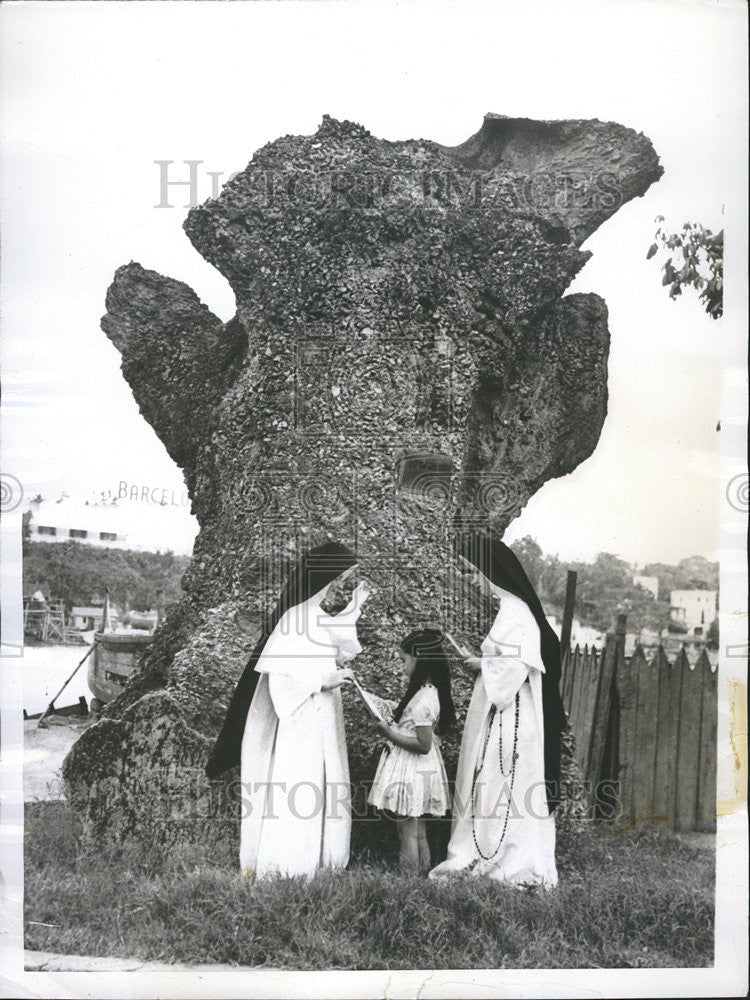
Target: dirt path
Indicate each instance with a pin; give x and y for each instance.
(44, 961)
(43, 753)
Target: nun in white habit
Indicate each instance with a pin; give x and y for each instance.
(296, 806)
(508, 770)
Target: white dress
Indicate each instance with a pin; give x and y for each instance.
(488, 838)
(408, 783)
(296, 798)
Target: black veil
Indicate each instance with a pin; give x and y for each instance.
(499, 564)
(314, 571)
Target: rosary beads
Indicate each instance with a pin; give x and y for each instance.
(478, 769)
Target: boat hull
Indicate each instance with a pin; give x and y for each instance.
(113, 661)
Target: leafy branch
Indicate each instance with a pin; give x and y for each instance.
(697, 259)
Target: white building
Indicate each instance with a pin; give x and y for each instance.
(695, 609)
(650, 583)
(142, 525)
(580, 635)
(68, 521)
(85, 618)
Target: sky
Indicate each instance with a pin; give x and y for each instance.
(95, 94)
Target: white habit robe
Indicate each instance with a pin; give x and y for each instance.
(511, 664)
(296, 797)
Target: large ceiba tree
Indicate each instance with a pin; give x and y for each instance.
(403, 364)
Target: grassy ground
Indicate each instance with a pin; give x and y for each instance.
(641, 900)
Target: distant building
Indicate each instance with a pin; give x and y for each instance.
(85, 618)
(650, 583)
(695, 609)
(586, 635)
(113, 524)
(647, 638)
(66, 521)
(580, 635)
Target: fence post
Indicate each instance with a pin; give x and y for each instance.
(590, 670)
(626, 680)
(605, 719)
(666, 741)
(621, 625)
(567, 619)
(646, 734)
(688, 741)
(576, 718)
(706, 814)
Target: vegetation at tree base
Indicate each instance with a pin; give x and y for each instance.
(697, 259)
(632, 900)
(80, 574)
(605, 587)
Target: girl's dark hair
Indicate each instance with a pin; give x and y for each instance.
(432, 666)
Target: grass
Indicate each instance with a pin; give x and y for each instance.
(641, 900)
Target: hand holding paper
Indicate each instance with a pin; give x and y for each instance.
(379, 708)
(461, 650)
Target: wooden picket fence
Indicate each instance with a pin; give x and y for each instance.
(645, 734)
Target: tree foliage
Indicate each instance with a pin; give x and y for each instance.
(693, 573)
(80, 574)
(696, 259)
(605, 586)
(532, 559)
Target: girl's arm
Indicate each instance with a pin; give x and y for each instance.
(421, 743)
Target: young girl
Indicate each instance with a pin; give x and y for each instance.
(410, 780)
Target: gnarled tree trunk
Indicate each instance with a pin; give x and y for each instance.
(403, 362)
